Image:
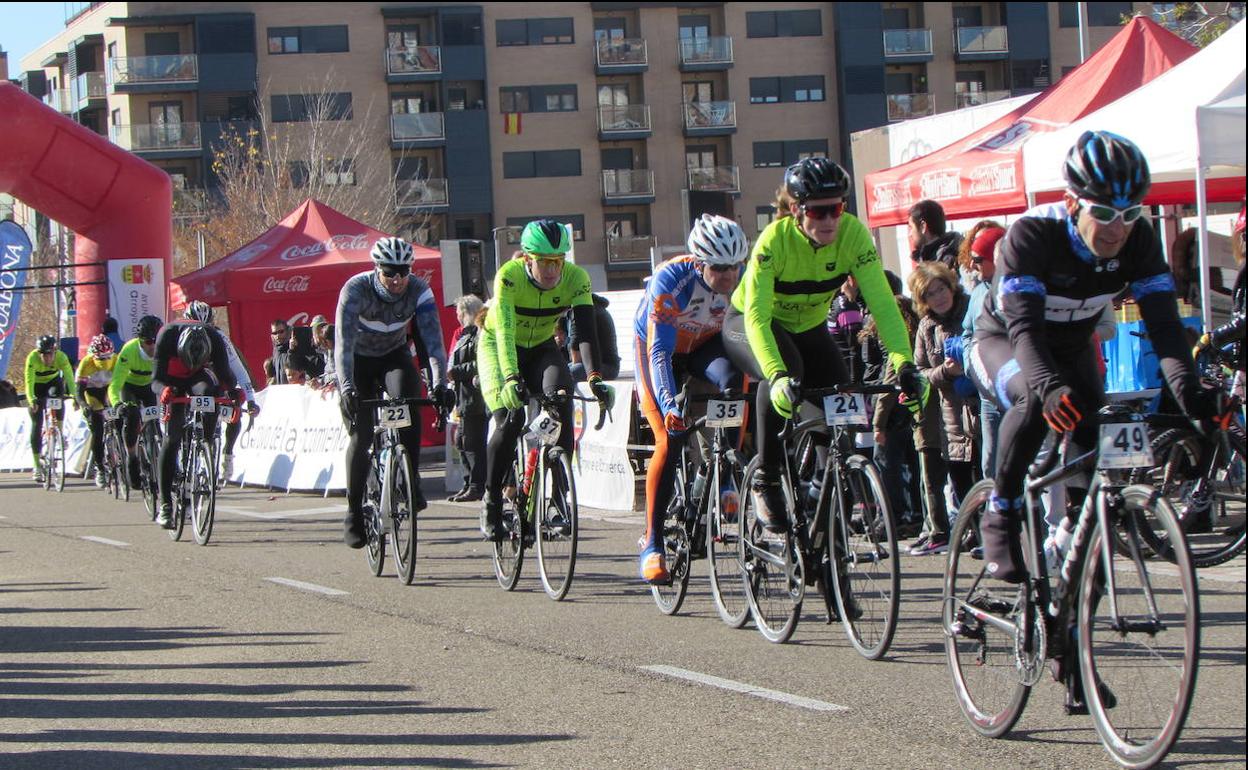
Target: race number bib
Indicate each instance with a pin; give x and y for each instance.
(55, 403)
(545, 428)
(725, 414)
(1124, 445)
(203, 404)
(110, 413)
(226, 412)
(395, 417)
(846, 410)
(150, 413)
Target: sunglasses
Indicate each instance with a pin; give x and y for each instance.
(1107, 214)
(722, 268)
(395, 271)
(547, 260)
(832, 210)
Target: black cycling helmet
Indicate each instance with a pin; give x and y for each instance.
(817, 178)
(198, 311)
(148, 327)
(194, 347)
(1107, 169)
(47, 343)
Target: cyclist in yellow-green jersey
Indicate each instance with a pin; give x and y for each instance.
(48, 375)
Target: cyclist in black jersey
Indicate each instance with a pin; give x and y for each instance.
(1033, 352)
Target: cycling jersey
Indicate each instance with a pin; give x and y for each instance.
(133, 367)
(792, 281)
(171, 372)
(241, 375)
(524, 315)
(38, 373)
(372, 322)
(678, 314)
(95, 375)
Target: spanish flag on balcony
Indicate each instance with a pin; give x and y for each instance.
(511, 122)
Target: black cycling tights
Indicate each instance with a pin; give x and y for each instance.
(44, 390)
(395, 375)
(203, 383)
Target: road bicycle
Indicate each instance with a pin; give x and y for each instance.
(147, 447)
(116, 461)
(52, 452)
(696, 524)
(1123, 632)
(194, 483)
(539, 502)
(841, 536)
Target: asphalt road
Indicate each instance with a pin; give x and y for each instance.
(122, 649)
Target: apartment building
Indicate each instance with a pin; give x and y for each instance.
(625, 119)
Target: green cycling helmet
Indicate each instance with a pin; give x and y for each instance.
(545, 236)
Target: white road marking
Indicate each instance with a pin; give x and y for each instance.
(258, 514)
(105, 541)
(748, 689)
(306, 586)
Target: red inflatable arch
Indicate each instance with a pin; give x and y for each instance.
(119, 206)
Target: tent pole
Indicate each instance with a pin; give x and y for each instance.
(1202, 214)
(1081, 11)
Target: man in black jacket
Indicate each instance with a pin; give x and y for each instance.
(605, 346)
(928, 237)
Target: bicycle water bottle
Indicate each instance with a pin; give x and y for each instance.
(814, 492)
(530, 467)
(698, 487)
(1056, 546)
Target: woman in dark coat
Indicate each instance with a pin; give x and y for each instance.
(469, 404)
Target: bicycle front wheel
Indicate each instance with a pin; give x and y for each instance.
(403, 516)
(862, 559)
(56, 459)
(1140, 648)
(149, 451)
(723, 546)
(774, 570)
(979, 619)
(202, 476)
(557, 525)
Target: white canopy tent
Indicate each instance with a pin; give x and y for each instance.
(1220, 136)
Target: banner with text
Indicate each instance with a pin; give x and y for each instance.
(604, 476)
(15, 439)
(297, 442)
(136, 287)
(14, 255)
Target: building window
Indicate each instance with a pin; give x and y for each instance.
(560, 98)
(331, 173)
(763, 216)
(544, 163)
(327, 39)
(764, 90)
(461, 29)
(297, 108)
(1107, 14)
(805, 88)
(576, 220)
(557, 31)
(768, 154)
(784, 24)
(786, 153)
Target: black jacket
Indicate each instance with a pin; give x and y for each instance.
(463, 369)
(943, 249)
(606, 352)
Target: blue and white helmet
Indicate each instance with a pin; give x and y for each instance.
(718, 241)
(1108, 169)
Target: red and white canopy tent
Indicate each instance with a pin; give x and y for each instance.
(982, 173)
(294, 271)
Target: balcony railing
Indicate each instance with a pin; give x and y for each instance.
(907, 42)
(138, 70)
(157, 137)
(981, 40)
(710, 115)
(414, 60)
(621, 53)
(190, 204)
(715, 179)
(58, 99)
(416, 126)
(627, 183)
(87, 86)
(420, 193)
(623, 118)
(706, 50)
(976, 98)
(906, 106)
(629, 249)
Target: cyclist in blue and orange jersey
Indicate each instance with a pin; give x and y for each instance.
(678, 331)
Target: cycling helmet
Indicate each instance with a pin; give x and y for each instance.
(545, 236)
(198, 311)
(194, 347)
(101, 347)
(392, 251)
(817, 178)
(148, 328)
(718, 241)
(47, 343)
(1107, 169)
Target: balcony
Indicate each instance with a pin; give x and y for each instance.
(721, 179)
(189, 205)
(419, 196)
(705, 54)
(87, 91)
(710, 118)
(418, 129)
(980, 43)
(629, 252)
(627, 186)
(159, 139)
(58, 99)
(906, 106)
(412, 64)
(620, 57)
(623, 121)
(976, 98)
(147, 74)
(905, 46)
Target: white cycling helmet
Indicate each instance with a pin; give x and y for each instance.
(392, 251)
(718, 241)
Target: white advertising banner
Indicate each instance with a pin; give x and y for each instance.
(15, 438)
(136, 287)
(604, 476)
(297, 442)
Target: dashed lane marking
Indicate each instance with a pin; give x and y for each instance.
(105, 541)
(306, 586)
(788, 699)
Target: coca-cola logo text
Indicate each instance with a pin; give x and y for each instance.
(357, 242)
(292, 285)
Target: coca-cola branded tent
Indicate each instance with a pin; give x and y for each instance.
(294, 271)
(982, 173)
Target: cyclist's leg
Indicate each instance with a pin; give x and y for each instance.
(36, 421)
(169, 453)
(402, 380)
(368, 372)
(660, 474)
(767, 422)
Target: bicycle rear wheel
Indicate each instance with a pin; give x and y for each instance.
(671, 595)
(723, 548)
(509, 552)
(979, 619)
(1147, 661)
(202, 476)
(774, 570)
(557, 525)
(148, 448)
(403, 516)
(56, 459)
(866, 569)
